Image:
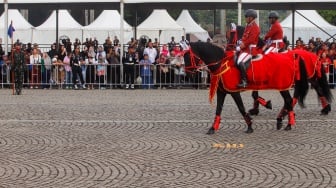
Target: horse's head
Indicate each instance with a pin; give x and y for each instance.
(204, 54)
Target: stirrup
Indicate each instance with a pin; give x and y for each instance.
(242, 84)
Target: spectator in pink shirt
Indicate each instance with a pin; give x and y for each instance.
(165, 50)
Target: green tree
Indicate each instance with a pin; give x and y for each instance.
(329, 16)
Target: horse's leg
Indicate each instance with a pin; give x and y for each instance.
(326, 108)
(239, 102)
(289, 108)
(220, 102)
(280, 117)
(259, 100)
(255, 109)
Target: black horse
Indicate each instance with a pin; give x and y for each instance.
(209, 53)
(318, 82)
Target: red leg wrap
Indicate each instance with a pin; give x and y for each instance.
(291, 118)
(216, 123)
(324, 102)
(294, 101)
(262, 101)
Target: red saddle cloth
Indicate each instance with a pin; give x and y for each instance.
(313, 65)
(273, 71)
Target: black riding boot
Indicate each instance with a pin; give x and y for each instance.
(243, 82)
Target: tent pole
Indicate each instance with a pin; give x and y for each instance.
(214, 22)
(239, 12)
(293, 29)
(136, 24)
(121, 39)
(6, 26)
(57, 43)
(82, 39)
(223, 21)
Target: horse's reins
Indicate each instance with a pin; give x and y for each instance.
(193, 64)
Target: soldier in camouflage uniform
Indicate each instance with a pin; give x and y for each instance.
(18, 67)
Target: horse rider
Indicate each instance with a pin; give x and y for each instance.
(248, 45)
(274, 37)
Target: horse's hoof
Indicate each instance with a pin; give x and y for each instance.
(288, 128)
(326, 110)
(269, 105)
(279, 124)
(211, 131)
(254, 111)
(249, 130)
(324, 113)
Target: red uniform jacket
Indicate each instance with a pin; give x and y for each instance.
(325, 63)
(275, 33)
(300, 47)
(250, 37)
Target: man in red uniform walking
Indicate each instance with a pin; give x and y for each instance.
(248, 45)
(274, 37)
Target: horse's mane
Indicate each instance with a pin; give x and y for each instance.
(207, 50)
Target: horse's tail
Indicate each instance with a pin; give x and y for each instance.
(323, 83)
(301, 85)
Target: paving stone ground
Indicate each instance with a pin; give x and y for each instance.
(156, 138)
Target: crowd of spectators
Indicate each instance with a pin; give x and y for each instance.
(326, 52)
(92, 65)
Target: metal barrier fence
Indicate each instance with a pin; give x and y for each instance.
(106, 76)
(109, 76)
(331, 76)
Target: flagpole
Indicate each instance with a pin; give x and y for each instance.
(121, 39)
(12, 33)
(12, 54)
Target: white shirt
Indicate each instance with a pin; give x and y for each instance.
(184, 44)
(152, 53)
(35, 59)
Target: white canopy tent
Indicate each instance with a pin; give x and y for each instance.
(23, 29)
(160, 25)
(107, 24)
(46, 32)
(191, 27)
(304, 28)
